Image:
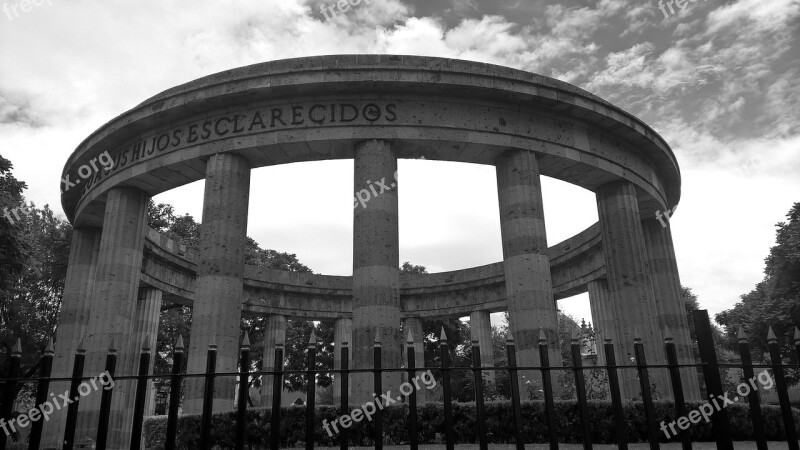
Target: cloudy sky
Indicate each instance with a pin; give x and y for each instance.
(719, 80)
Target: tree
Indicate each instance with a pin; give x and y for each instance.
(775, 301)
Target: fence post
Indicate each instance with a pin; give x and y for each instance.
(378, 384)
(344, 395)
(41, 395)
(753, 399)
(580, 390)
(677, 387)
(447, 393)
(244, 383)
(10, 391)
(277, 389)
(513, 375)
(311, 384)
(174, 395)
(708, 356)
(616, 398)
(412, 397)
(647, 397)
(141, 395)
(72, 409)
(783, 393)
(547, 386)
(208, 398)
(105, 400)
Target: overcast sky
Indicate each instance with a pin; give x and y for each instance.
(719, 80)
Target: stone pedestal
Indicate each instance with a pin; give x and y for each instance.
(112, 314)
(480, 325)
(669, 301)
(216, 313)
(74, 319)
(630, 285)
(376, 273)
(274, 334)
(529, 287)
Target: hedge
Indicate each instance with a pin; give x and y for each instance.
(499, 421)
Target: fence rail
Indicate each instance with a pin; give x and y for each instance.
(709, 365)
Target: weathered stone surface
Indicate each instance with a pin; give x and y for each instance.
(376, 273)
(217, 310)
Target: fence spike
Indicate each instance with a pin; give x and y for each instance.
(509, 337)
(542, 337)
(796, 336)
(146, 343)
(344, 343)
(179, 344)
(111, 347)
(81, 346)
(637, 335)
(246, 341)
(771, 338)
(443, 336)
(576, 334)
(48, 349)
(312, 340)
(17, 349)
(667, 334)
(377, 336)
(410, 338)
(741, 335)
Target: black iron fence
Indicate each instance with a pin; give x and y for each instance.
(709, 366)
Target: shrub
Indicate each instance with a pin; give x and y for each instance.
(430, 422)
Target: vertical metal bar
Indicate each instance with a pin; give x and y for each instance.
(105, 401)
(515, 399)
(753, 398)
(311, 383)
(447, 393)
(208, 398)
(412, 399)
(708, 356)
(277, 388)
(10, 391)
(141, 396)
(620, 426)
(244, 383)
(647, 397)
(547, 386)
(41, 395)
(378, 384)
(677, 387)
(72, 409)
(781, 388)
(580, 390)
(480, 415)
(344, 394)
(797, 343)
(174, 395)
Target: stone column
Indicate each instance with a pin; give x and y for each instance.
(602, 315)
(529, 288)
(112, 315)
(414, 324)
(669, 300)
(629, 283)
(376, 261)
(342, 332)
(274, 334)
(217, 310)
(148, 313)
(480, 325)
(75, 310)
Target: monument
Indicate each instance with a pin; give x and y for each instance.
(372, 109)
